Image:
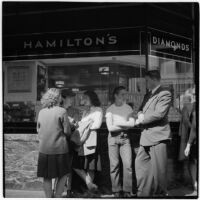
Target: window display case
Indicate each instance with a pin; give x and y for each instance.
(102, 76)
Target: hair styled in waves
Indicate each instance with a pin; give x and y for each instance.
(51, 98)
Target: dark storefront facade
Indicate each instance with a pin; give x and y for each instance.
(95, 46)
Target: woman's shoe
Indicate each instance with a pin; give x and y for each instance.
(92, 187)
(53, 194)
(67, 194)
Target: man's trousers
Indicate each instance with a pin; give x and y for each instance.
(151, 168)
(119, 146)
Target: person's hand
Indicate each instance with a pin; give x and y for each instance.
(141, 117)
(137, 122)
(187, 150)
(71, 120)
(76, 124)
(140, 112)
(132, 121)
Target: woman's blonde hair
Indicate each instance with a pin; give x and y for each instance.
(50, 98)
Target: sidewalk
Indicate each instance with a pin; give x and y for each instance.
(24, 194)
(178, 192)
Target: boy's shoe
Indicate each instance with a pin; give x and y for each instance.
(128, 195)
(117, 194)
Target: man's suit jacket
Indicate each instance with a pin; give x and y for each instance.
(155, 110)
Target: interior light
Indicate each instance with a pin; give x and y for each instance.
(104, 70)
(59, 84)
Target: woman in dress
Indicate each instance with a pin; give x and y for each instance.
(53, 127)
(86, 159)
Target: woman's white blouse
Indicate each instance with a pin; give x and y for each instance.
(95, 114)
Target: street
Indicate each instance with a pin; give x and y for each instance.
(178, 192)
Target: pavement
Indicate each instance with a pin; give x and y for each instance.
(177, 192)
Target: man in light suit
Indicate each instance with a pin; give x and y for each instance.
(151, 160)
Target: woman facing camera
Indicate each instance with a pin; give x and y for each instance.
(53, 127)
(86, 160)
(118, 120)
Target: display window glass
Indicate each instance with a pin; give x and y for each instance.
(179, 77)
(101, 74)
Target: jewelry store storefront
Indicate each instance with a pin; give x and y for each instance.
(65, 48)
(94, 59)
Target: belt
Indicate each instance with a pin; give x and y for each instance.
(119, 133)
(154, 124)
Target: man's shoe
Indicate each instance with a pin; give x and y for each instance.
(117, 194)
(128, 194)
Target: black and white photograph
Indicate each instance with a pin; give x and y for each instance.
(100, 99)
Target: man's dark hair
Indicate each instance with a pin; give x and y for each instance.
(116, 91)
(153, 74)
(93, 97)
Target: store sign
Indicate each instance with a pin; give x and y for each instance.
(72, 43)
(170, 45)
(75, 42)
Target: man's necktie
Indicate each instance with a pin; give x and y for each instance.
(146, 98)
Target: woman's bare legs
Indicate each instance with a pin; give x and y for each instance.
(87, 179)
(47, 184)
(90, 175)
(67, 187)
(60, 186)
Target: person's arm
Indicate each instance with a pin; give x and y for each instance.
(38, 126)
(186, 117)
(162, 107)
(97, 120)
(83, 125)
(66, 124)
(192, 136)
(38, 123)
(109, 122)
(126, 124)
(193, 132)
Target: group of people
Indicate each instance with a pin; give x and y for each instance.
(68, 142)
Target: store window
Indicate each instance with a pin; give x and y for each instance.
(30, 79)
(102, 75)
(172, 55)
(179, 77)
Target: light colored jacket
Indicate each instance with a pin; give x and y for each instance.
(156, 126)
(96, 114)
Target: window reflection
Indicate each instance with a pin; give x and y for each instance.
(101, 75)
(178, 75)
